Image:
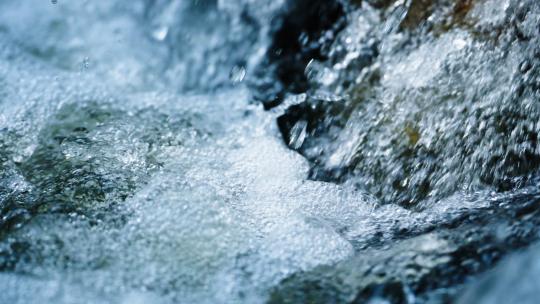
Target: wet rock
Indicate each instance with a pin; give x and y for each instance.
(304, 32)
(417, 13)
(75, 166)
(304, 128)
(425, 115)
(426, 268)
(514, 281)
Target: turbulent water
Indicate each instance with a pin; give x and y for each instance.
(394, 159)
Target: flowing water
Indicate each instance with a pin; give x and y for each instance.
(137, 164)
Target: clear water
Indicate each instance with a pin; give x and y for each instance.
(136, 168)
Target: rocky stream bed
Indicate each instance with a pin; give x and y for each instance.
(255, 151)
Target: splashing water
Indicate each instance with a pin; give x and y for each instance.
(135, 166)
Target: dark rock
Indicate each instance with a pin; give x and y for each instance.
(422, 267)
(304, 32)
(305, 128)
(406, 141)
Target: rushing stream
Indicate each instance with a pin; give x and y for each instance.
(257, 151)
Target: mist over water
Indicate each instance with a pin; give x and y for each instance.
(395, 157)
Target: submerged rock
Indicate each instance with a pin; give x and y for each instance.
(422, 268)
(514, 281)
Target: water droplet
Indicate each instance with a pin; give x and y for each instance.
(54, 1)
(238, 73)
(85, 64)
(460, 43)
(318, 73)
(160, 33)
(298, 135)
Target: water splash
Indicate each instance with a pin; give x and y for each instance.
(154, 177)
